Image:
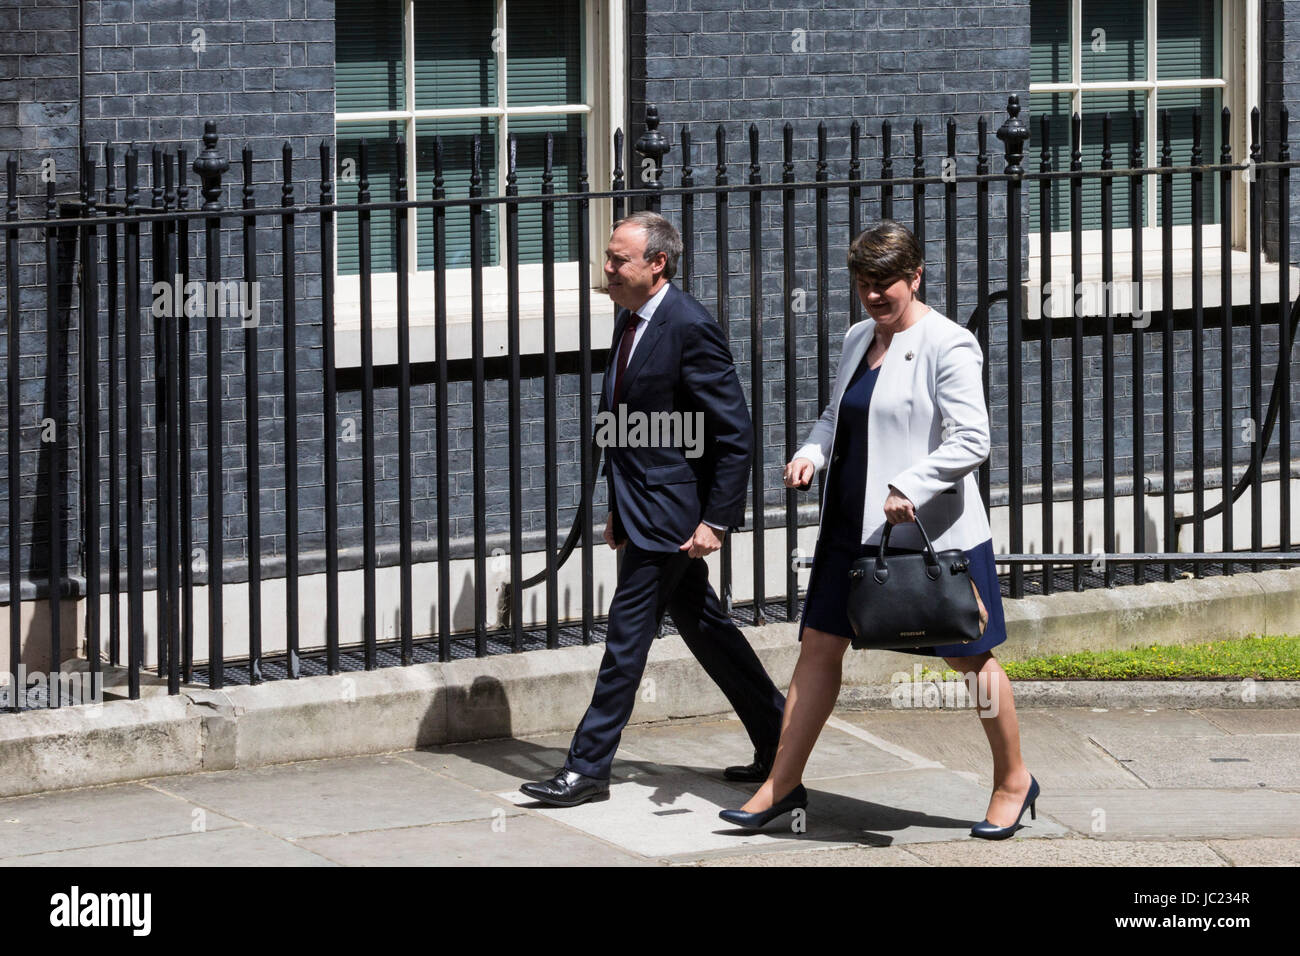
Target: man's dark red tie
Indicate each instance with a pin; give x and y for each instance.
(624, 353)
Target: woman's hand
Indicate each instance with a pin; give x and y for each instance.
(799, 473)
(898, 509)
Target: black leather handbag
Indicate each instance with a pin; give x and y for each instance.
(914, 599)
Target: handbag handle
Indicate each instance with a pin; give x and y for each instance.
(931, 559)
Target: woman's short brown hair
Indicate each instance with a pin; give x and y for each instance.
(886, 251)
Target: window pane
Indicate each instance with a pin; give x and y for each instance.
(1187, 39)
(457, 151)
(544, 52)
(530, 134)
(1114, 40)
(455, 65)
(1181, 104)
(1049, 41)
(1056, 107)
(368, 55)
(1122, 106)
(381, 160)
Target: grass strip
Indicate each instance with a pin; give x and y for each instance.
(1259, 657)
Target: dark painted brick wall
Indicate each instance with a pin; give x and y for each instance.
(1280, 87)
(39, 117)
(266, 77)
(263, 72)
(711, 62)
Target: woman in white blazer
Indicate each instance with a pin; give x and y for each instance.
(904, 434)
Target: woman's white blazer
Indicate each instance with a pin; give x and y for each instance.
(928, 432)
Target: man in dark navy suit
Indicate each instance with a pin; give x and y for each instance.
(671, 502)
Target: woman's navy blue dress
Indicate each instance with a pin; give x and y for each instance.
(840, 542)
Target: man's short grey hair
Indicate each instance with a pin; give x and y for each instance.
(660, 236)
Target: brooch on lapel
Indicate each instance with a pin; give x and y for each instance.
(908, 356)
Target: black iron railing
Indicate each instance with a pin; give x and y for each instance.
(966, 194)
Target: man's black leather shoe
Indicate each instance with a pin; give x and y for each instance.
(755, 772)
(566, 789)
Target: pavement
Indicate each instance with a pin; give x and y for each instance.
(1150, 786)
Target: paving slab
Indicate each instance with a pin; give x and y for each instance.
(922, 805)
(669, 812)
(708, 746)
(523, 840)
(889, 787)
(234, 846)
(1058, 757)
(92, 816)
(1231, 761)
(496, 765)
(1262, 721)
(1015, 852)
(705, 745)
(340, 795)
(1177, 814)
(1260, 851)
(852, 855)
(1075, 851)
(1151, 721)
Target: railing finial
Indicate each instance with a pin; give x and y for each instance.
(210, 166)
(1014, 133)
(653, 144)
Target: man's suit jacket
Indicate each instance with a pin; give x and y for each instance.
(682, 364)
(928, 431)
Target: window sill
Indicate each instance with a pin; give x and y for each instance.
(347, 322)
(1060, 300)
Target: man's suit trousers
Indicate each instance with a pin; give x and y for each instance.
(650, 582)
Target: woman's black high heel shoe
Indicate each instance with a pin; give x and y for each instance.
(988, 831)
(796, 799)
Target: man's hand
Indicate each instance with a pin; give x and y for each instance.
(706, 540)
(898, 509)
(609, 533)
(799, 473)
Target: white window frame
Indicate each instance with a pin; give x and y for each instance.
(1076, 87)
(1240, 85)
(604, 66)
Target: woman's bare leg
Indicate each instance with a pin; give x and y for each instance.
(997, 713)
(814, 687)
